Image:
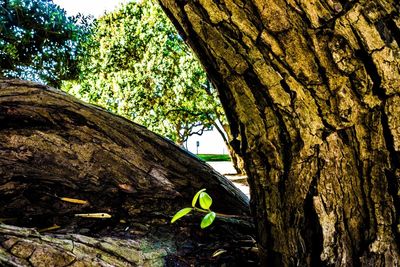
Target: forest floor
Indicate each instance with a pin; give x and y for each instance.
(226, 168)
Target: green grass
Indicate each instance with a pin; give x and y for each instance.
(214, 157)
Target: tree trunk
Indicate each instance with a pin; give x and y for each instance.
(54, 147)
(236, 160)
(311, 90)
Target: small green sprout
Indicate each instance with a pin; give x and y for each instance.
(205, 202)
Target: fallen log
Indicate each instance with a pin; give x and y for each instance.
(60, 157)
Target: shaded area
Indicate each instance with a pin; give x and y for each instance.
(53, 147)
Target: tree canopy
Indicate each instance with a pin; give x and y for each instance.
(131, 61)
(138, 66)
(38, 41)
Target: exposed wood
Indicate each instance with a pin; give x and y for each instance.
(60, 157)
(311, 90)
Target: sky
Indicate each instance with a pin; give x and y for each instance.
(89, 7)
(210, 142)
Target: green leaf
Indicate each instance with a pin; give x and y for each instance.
(205, 200)
(180, 214)
(207, 220)
(196, 197)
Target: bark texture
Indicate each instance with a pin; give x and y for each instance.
(27, 247)
(53, 146)
(237, 160)
(312, 93)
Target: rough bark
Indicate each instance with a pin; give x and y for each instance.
(237, 160)
(311, 90)
(53, 146)
(27, 247)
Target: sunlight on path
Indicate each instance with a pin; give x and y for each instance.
(226, 168)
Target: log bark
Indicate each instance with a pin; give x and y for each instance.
(52, 146)
(311, 90)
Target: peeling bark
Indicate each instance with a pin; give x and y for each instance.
(311, 91)
(53, 146)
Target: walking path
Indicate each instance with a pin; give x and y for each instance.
(226, 168)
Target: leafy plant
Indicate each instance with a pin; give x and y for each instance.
(205, 202)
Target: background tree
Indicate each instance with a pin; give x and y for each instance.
(38, 41)
(169, 93)
(311, 92)
(139, 67)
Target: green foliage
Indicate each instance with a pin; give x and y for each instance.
(205, 202)
(214, 157)
(208, 220)
(181, 213)
(196, 197)
(38, 41)
(138, 66)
